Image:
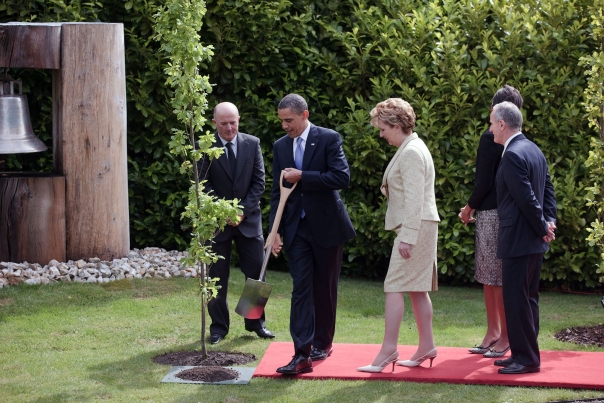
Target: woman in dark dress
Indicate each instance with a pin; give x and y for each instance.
(487, 268)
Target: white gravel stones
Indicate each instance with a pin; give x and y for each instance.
(145, 263)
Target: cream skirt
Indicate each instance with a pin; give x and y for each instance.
(418, 273)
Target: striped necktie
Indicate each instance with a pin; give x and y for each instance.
(299, 153)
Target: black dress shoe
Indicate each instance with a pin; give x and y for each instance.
(298, 365)
(263, 332)
(504, 363)
(316, 354)
(518, 369)
(215, 338)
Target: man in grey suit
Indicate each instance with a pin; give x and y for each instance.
(237, 173)
(526, 206)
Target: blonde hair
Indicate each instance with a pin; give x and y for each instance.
(394, 111)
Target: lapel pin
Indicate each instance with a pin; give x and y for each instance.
(312, 144)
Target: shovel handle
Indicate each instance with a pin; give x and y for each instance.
(285, 192)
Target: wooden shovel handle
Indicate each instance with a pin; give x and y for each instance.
(285, 192)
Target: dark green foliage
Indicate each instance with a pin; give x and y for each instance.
(447, 58)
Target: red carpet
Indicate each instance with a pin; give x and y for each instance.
(560, 369)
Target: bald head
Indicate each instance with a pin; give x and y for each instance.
(226, 120)
(225, 107)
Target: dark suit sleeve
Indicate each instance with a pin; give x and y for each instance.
(337, 175)
(549, 201)
(516, 176)
(256, 188)
(487, 156)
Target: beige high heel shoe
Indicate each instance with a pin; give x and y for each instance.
(410, 363)
(379, 368)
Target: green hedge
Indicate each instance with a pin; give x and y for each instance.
(447, 58)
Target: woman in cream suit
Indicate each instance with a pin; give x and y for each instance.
(408, 185)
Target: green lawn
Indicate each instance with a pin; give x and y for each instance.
(90, 343)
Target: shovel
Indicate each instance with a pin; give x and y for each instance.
(256, 292)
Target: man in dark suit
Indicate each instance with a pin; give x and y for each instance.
(315, 226)
(526, 206)
(237, 173)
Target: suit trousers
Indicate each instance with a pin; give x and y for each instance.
(315, 272)
(520, 277)
(251, 255)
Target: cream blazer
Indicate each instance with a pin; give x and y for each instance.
(408, 184)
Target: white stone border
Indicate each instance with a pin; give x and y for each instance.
(145, 263)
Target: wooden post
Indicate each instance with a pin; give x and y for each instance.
(32, 217)
(36, 46)
(89, 126)
(89, 102)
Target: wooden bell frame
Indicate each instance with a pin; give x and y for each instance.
(79, 211)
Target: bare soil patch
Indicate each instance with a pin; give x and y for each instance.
(583, 335)
(208, 370)
(208, 374)
(195, 359)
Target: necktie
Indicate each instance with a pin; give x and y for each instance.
(299, 153)
(231, 156)
(298, 160)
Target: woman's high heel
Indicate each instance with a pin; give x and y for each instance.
(496, 354)
(410, 363)
(481, 349)
(378, 368)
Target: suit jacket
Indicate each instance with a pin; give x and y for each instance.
(525, 200)
(408, 184)
(324, 171)
(247, 185)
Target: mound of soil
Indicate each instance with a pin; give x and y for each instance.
(208, 370)
(584, 335)
(208, 374)
(194, 358)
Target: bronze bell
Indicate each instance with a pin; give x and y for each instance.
(16, 133)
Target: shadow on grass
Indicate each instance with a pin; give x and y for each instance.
(74, 396)
(262, 390)
(30, 299)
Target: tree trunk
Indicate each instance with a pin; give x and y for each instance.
(204, 305)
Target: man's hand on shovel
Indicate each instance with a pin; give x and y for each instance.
(274, 239)
(255, 292)
(276, 246)
(292, 175)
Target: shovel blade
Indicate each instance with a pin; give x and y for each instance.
(253, 299)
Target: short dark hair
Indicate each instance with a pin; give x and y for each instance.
(295, 102)
(509, 94)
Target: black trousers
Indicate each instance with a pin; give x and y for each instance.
(315, 271)
(521, 303)
(251, 255)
